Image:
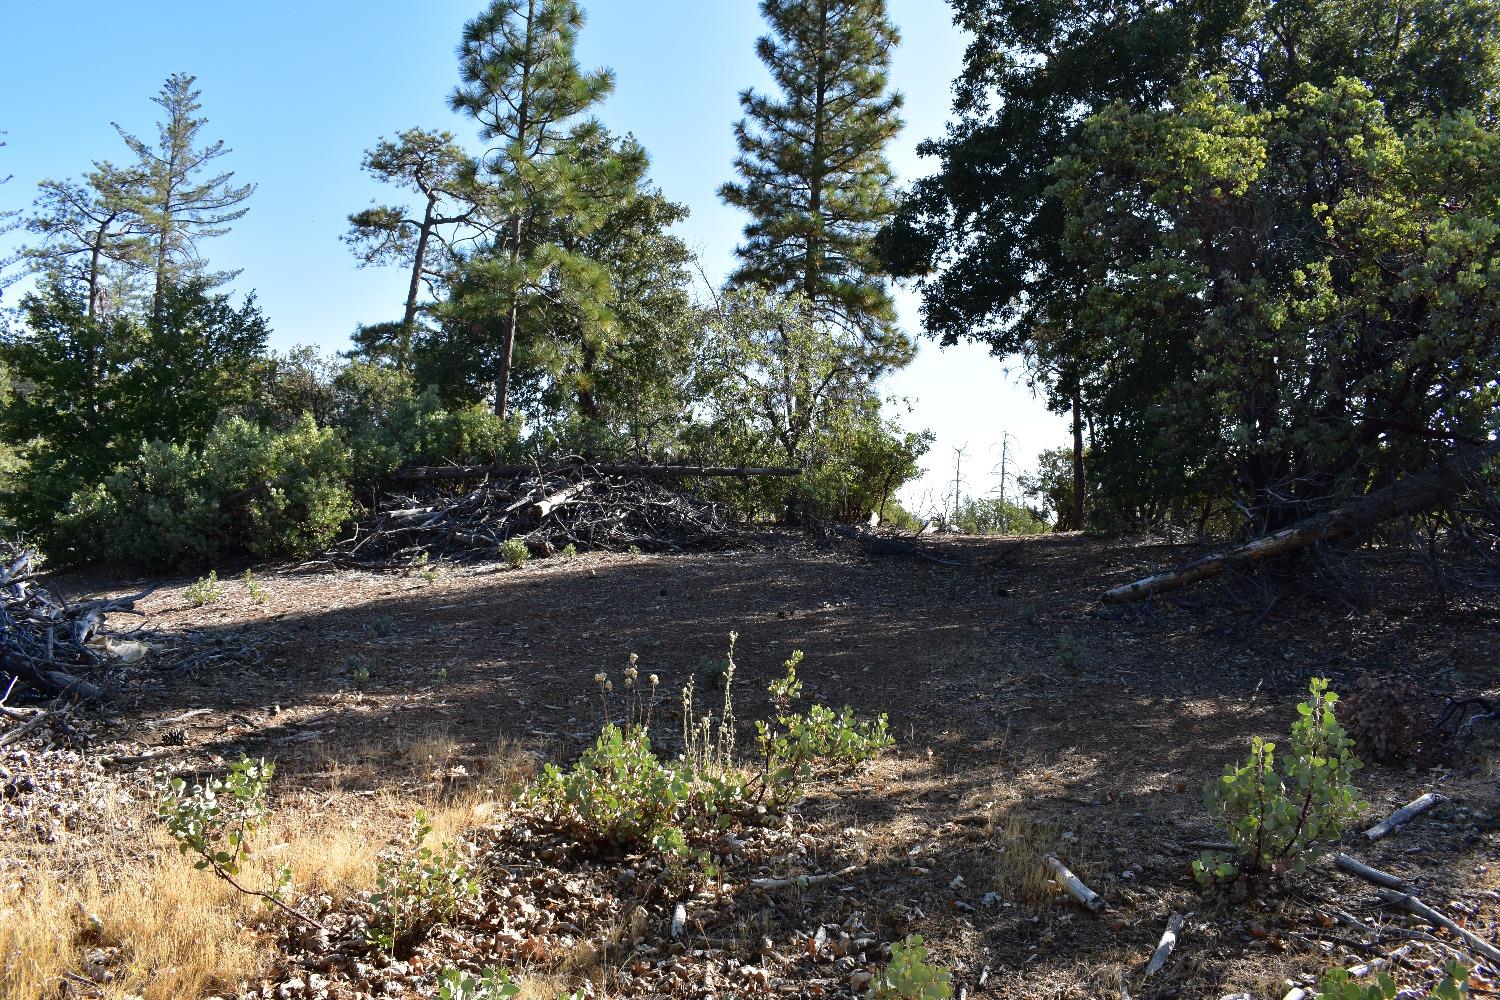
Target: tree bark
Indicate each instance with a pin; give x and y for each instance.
(409, 316)
(1078, 480)
(1453, 475)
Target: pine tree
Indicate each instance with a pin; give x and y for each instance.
(177, 207)
(522, 84)
(8, 222)
(433, 166)
(627, 375)
(815, 179)
(87, 229)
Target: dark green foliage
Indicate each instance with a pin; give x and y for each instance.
(93, 388)
(814, 176)
(1049, 489)
(389, 425)
(1262, 280)
(524, 89)
(622, 382)
(439, 173)
(167, 506)
(384, 418)
(92, 234)
(1310, 307)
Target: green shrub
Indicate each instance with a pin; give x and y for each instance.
(254, 588)
(792, 743)
(154, 511)
(167, 506)
(909, 976)
(390, 426)
(417, 889)
(204, 590)
(1282, 818)
(1070, 650)
(212, 820)
(492, 984)
(1337, 986)
(307, 469)
(514, 552)
(620, 793)
(994, 516)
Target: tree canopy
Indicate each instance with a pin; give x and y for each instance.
(1238, 239)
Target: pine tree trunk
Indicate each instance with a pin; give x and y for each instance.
(94, 253)
(1078, 480)
(507, 352)
(409, 317)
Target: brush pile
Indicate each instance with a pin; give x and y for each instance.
(590, 507)
(45, 644)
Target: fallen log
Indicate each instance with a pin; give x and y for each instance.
(1074, 885)
(447, 472)
(20, 732)
(1416, 493)
(1164, 949)
(548, 504)
(46, 677)
(1405, 814)
(1374, 876)
(800, 881)
(1408, 903)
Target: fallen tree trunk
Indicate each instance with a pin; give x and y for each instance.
(1408, 903)
(1164, 949)
(1074, 885)
(1404, 815)
(46, 677)
(1416, 493)
(445, 472)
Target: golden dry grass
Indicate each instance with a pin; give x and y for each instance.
(1019, 869)
(140, 921)
(154, 927)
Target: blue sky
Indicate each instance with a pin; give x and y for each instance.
(300, 90)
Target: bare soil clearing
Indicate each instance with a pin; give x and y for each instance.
(1029, 721)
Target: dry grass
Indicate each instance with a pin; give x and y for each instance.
(148, 926)
(1019, 869)
(141, 921)
(327, 853)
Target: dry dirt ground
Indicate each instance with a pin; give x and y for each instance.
(1028, 719)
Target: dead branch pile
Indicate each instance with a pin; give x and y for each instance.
(45, 644)
(548, 508)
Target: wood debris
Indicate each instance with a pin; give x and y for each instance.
(46, 644)
(548, 508)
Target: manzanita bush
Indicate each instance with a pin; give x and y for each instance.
(621, 793)
(214, 819)
(1283, 815)
(417, 888)
(910, 976)
(1337, 985)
